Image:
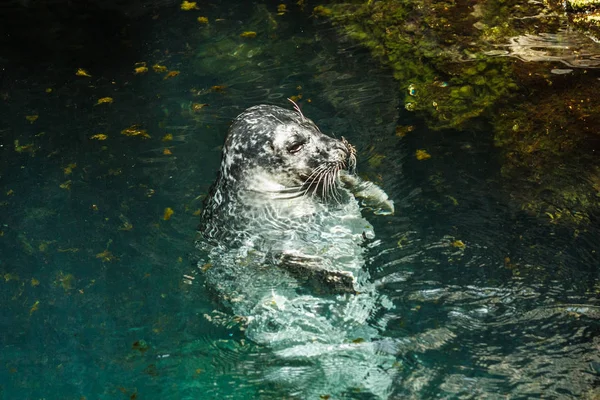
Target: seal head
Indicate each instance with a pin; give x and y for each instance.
(272, 145)
(273, 154)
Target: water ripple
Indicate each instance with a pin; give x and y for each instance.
(566, 46)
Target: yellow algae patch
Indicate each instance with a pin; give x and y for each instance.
(248, 34)
(375, 160)
(218, 88)
(105, 100)
(34, 282)
(159, 68)
(66, 281)
(82, 72)
(422, 155)
(198, 106)
(106, 256)
(66, 185)
(32, 118)
(402, 241)
(10, 192)
(133, 130)
(203, 20)
(48, 90)
(99, 136)
(188, 5)
(281, 9)
(69, 250)
(402, 131)
(167, 214)
(126, 226)
(10, 277)
(25, 148)
(171, 74)
(167, 152)
(452, 199)
(34, 308)
(206, 267)
(140, 70)
(167, 138)
(321, 11)
(68, 170)
(459, 244)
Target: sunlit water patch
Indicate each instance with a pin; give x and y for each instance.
(321, 344)
(569, 47)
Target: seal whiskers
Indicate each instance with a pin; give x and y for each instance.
(297, 108)
(325, 176)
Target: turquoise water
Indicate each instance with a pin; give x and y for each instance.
(102, 296)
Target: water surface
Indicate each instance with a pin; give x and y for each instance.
(101, 295)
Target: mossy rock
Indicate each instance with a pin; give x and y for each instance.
(543, 123)
(430, 47)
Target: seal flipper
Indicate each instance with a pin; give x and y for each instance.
(311, 270)
(370, 195)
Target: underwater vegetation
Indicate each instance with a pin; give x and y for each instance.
(429, 47)
(550, 142)
(519, 66)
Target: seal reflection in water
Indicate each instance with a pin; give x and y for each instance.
(283, 230)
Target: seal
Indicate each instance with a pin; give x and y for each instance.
(282, 229)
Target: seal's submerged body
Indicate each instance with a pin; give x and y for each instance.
(283, 230)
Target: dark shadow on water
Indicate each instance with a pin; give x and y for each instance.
(42, 34)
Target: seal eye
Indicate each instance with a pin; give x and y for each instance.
(295, 147)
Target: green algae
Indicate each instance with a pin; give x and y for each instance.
(429, 48)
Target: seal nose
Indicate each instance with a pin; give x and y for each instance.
(341, 152)
(336, 150)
